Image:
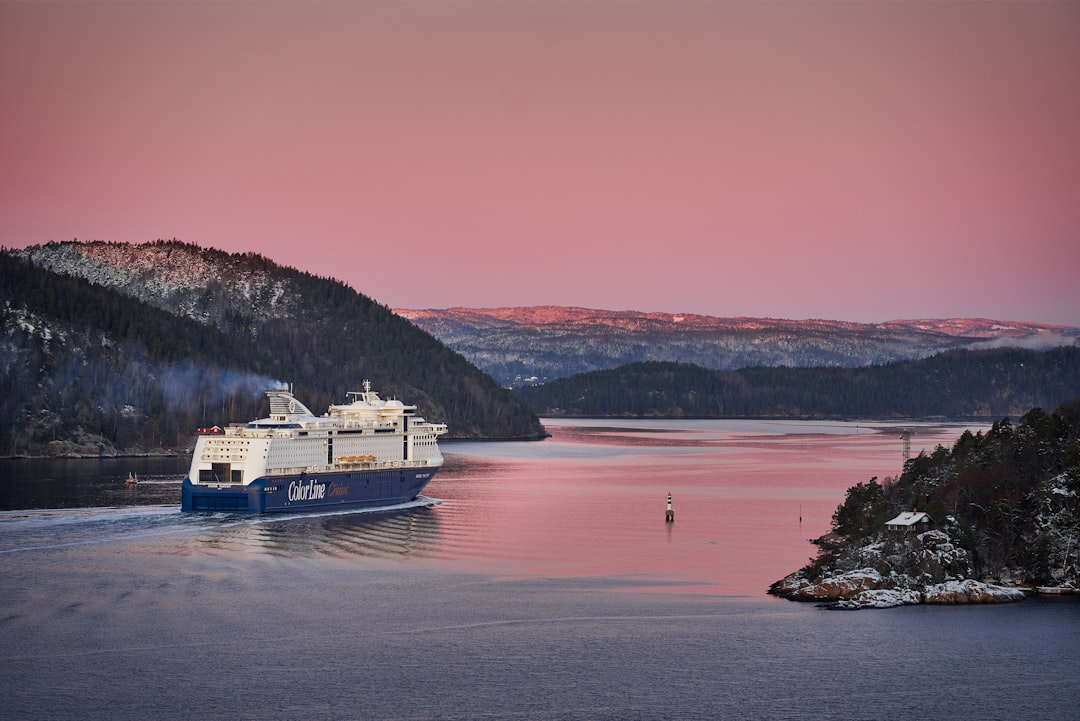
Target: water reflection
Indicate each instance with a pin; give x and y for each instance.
(587, 502)
(404, 533)
(590, 500)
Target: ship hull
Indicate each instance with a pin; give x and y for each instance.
(339, 490)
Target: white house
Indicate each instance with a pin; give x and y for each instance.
(908, 521)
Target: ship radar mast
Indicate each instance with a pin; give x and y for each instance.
(367, 395)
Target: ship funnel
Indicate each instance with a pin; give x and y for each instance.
(285, 407)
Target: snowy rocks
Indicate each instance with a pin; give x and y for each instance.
(880, 598)
(81, 445)
(923, 568)
(862, 588)
(970, 591)
(797, 587)
(935, 557)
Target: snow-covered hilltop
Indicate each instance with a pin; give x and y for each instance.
(181, 278)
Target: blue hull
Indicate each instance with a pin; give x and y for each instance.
(319, 492)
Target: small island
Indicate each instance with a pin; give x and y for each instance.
(991, 520)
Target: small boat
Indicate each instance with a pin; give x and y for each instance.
(132, 479)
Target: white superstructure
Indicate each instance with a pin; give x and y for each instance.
(366, 434)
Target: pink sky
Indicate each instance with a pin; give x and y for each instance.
(849, 161)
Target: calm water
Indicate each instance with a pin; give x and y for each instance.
(546, 585)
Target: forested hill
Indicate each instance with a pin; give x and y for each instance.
(121, 347)
(987, 384)
(1005, 505)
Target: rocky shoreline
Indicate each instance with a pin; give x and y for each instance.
(890, 571)
(866, 588)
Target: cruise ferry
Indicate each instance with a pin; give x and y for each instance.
(368, 452)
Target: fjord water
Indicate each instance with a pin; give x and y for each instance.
(546, 585)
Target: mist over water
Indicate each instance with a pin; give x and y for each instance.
(546, 585)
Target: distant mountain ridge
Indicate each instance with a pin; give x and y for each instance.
(525, 345)
(120, 347)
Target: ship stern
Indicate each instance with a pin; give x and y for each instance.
(201, 498)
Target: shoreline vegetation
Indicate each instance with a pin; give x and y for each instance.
(964, 384)
(998, 519)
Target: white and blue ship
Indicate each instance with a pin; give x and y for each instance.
(368, 452)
